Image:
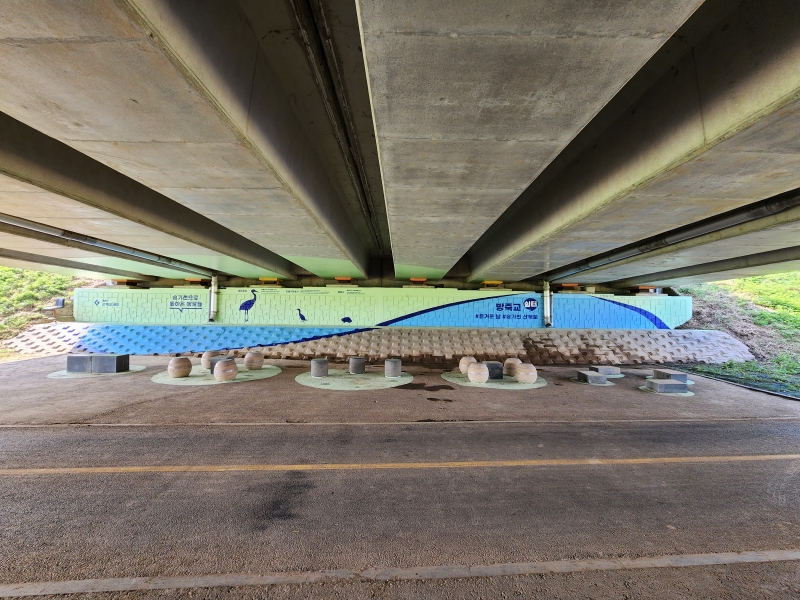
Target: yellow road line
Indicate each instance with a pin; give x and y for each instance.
(471, 464)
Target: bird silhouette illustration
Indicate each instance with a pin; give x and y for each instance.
(247, 305)
(302, 316)
(347, 320)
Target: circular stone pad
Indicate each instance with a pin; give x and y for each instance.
(508, 383)
(67, 375)
(340, 380)
(688, 381)
(576, 380)
(202, 376)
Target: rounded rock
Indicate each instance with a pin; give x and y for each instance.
(465, 362)
(478, 372)
(205, 360)
(226, 370)
(525, 373)
(319, 367)
(510, 364)
(393, 367)
(253, 361)
(180, 366)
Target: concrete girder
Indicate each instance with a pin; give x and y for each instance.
(37, 262)
(24, 240)
(717, 131)
(763, 263)
(762, 235)
(472, 100)
(45, 180)
(179, 97)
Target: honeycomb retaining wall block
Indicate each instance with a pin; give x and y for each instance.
(225, 370)
(393, 367)
(478, 372)
(205, 360)
(180, 366)
(510, 365)
(667, 386)
(253, 361)
(525, 373)
(319, 367)
(357, 365)
(591, 377)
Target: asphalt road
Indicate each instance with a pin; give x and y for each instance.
(75, 526)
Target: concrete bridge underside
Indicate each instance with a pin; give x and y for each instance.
(617, 144)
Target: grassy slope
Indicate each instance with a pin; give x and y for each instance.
(23, 294)
(762, 312)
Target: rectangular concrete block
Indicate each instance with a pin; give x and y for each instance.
(79, 363)
(605, 370)
(111, 363)
(667, 386)
(591, 377)
(670, 374)
(215, 359)
(495, 369)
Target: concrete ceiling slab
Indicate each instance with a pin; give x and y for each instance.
(86, 74)
(480, 95)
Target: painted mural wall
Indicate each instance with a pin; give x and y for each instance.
(355, 308)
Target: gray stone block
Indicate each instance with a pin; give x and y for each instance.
(111, 363)
(667, 386)
(495, 369)
(319, 367)
(604, 370)
(393, 367)
(592, 377)
(79, 363)
(670, 374)
(357, 365)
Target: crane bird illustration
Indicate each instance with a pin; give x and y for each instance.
(247, 305)
(302, 316)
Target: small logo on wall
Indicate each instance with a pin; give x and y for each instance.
(531, 304)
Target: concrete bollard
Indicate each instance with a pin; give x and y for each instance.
(478, 372)
(225, 370)
(180, 366)
(205, 360)
(253, 361)
(465, 362)
(510, 365)
(525, 373)
(215, 360)
(319, 367)
(357, 365)
(393, 367)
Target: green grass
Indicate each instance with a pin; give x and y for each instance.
(763, 312)
(23, 294)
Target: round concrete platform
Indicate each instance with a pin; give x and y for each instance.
(508, 383)
(202, 376)
(644, 388)
(340, 380)
(67, 375)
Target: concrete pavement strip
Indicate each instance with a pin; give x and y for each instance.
(394, 574)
